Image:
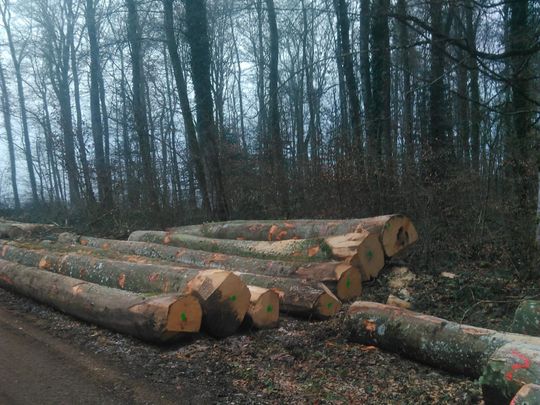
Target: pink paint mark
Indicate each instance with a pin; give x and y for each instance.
(526, 364)
(153, 277)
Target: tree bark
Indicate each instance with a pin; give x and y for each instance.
(102, 166)
(440, 343)
(395, 231)
(527, 318)
(195, 155)
(197, 36)
(139, 106)
(342, 277)
(6, 19)
(223, 296)
(6, 110)
(155, 319)
(528, 394)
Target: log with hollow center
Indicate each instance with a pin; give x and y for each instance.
(158, 319)
(342, 278)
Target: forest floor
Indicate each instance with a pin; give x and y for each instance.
(301, 362)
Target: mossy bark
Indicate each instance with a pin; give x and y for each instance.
(509, 368)
(156, 319)
(342, 278)
(440, 343)
(299, 250)
(527, 318)
(529, 394)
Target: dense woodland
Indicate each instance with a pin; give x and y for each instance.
(123, 113)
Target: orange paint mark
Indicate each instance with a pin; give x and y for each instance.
(240, 238)
(217, 257)
(122, 280)
(370, 326)
(105, 246)
(153, 277)
(280, 293)
(312, 251)
(368, 348)
(273, 230)
(281, 235)
(288, 225)
(180, 252)
(6, 279)
(44, 264)
(84, 242)
(526, 364)
(82, 273)
(167, 239)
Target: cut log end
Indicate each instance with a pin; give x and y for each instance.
(184, 315)
(224, 299)
(349, 284)
(369, 257)
(529, 394)
(398, 233)
(327, 304)
(264, 308)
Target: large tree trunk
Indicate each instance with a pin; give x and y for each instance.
(395, 231)
(223, 296)
(139, 106)
(341, 277)
(156, 319)
(102, 165)
(195, 155)
(6, 19)
(197, 35)
(451, 346)
(6, 110)
(294, 249)
(279, 177)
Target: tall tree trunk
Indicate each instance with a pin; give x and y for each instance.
(79, 131)
(476, 116)
(139, 106)
(194, 150)
(347, 61)
(197, 36)
(239, 85)
(6, 19)
(522, 142)
(278, 160)
(102, 169)
(6, 110)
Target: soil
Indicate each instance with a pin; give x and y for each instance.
(48, 357)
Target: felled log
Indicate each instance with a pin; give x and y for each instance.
(342, 278)
(263, 312)
(14, 230)
(297, 297)
(361, 249)
(156, 319)
(463, 349)
(527, 318)
(508, 369)
(224, 297)
(298, 249)
(529, 394)
(395, 231)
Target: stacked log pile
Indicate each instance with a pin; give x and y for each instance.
(235, 270)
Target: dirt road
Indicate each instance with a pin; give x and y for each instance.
(36, 367)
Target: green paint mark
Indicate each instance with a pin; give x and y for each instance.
(232, 298)
(348, 282)
(387, 225)
(269, 308)
(183, 317)
(330, 305)
(370, 254)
